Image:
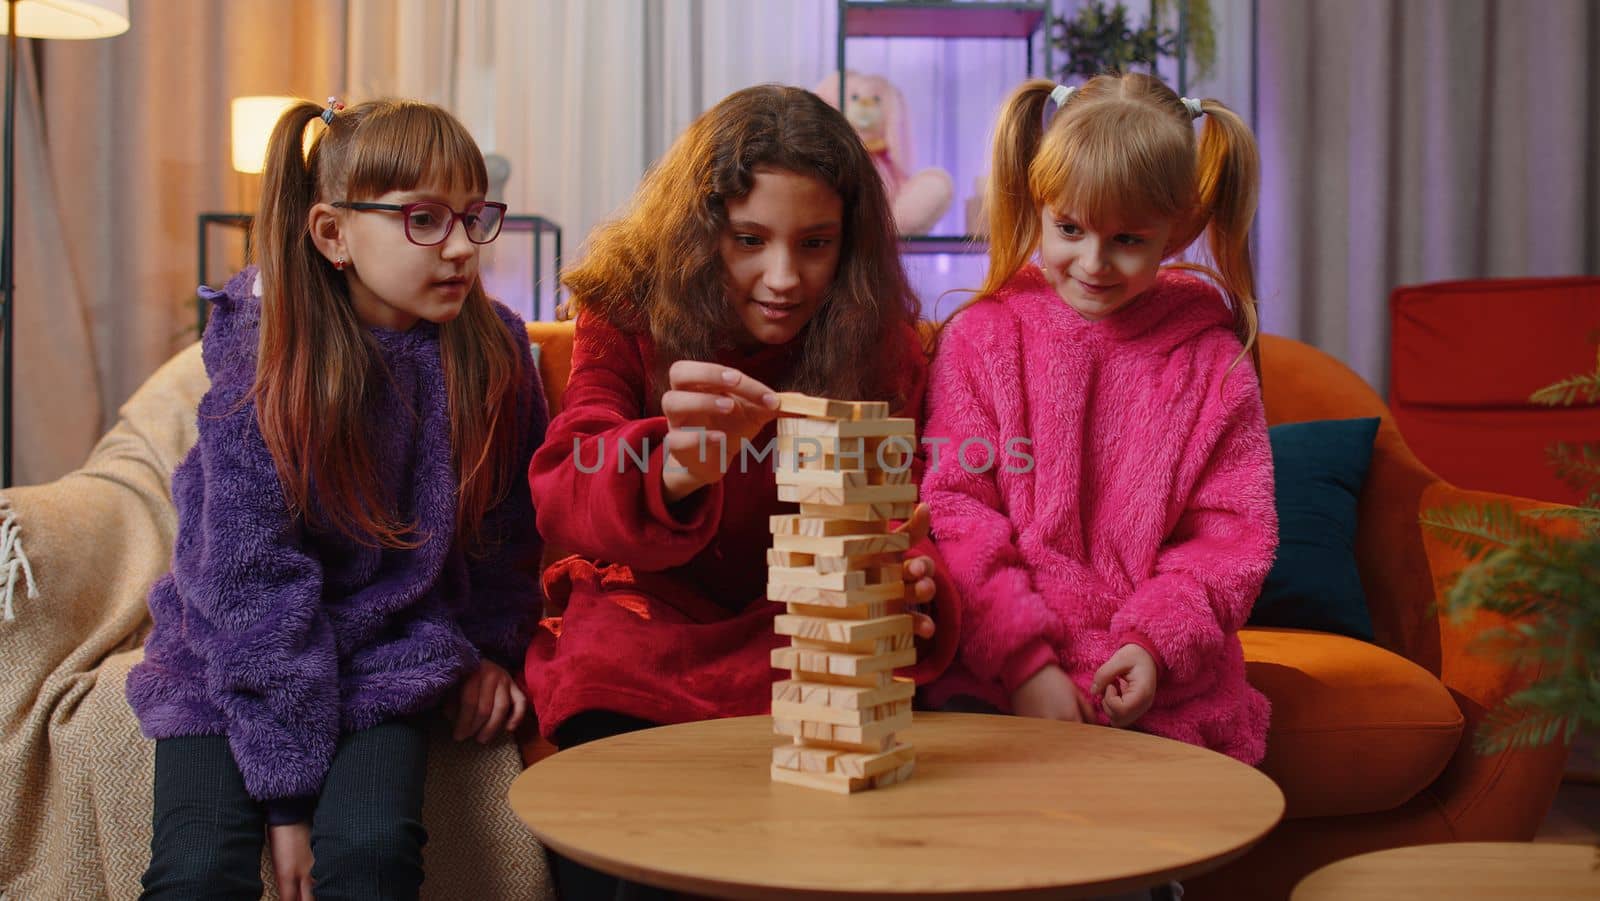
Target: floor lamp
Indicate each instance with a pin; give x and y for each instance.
(34, 19)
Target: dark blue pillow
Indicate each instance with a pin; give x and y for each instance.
(1318, 470)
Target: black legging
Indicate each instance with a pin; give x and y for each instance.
(574, 881)
(366, 833)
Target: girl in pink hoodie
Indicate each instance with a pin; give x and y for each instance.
(1108, 557)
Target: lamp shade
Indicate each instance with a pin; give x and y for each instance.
(68, 18)
(253, 119)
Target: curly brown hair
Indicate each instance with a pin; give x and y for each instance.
(657, 268)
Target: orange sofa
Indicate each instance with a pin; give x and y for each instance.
(1465, 355)
(1370, 742)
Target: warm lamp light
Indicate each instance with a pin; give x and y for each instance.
(253, 119)
(70, 19)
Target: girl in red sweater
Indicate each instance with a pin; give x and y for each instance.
(758, 256)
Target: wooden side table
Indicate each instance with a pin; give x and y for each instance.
(1000, 807)
(1511, 871)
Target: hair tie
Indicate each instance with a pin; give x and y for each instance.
(1060, 94)
(334, 106)
(1193, 105)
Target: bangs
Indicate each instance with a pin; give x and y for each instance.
(407, 146)
(1119, 166)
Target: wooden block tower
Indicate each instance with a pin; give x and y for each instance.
(836, 566)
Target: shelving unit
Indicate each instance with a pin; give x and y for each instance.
(537, 226)
(953, 20)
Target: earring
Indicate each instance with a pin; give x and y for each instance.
(339, 264)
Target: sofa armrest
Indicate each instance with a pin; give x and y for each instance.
(1498, 797)
(96, 539)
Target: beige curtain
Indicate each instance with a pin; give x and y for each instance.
(138, 145)
(1417, 141)
(55, 395)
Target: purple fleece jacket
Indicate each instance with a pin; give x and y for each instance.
(282, 638)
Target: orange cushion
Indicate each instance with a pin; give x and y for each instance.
(1355, 728)
(554, 340)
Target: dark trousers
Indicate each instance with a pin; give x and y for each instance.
(574, 881)
(366, 833)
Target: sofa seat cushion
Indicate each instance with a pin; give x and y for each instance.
(1355, 728)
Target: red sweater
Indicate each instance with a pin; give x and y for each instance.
(661, 611)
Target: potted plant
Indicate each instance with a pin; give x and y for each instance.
(1101, 38)
(1540, 569)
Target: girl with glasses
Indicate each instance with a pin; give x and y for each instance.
(355, 544)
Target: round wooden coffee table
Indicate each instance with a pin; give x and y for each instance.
(1510, 871)
(1000, 807)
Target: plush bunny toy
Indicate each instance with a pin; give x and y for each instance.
(876, 109)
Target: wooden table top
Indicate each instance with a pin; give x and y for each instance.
(1000, 807)
(1468, 870)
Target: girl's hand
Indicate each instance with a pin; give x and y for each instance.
(1126, 685)
(1051, 694)
(291, 860)
(709, 409)
(918, 573)
(489, 703)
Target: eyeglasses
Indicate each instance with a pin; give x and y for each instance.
(429, 222)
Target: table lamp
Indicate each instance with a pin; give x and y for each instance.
(253, 119)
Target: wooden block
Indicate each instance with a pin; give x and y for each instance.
(798, 404)
(869, 610)
(820, 463)
(842, 631)
(833, 782)
(857, 450)
(822, 527)
(849, 446)
(785, 727)
(871, 765)
(855, 494)
(858, 511)
(899, 774)
(868, 563)
(787, 756)
(882, 679)
(823, 478)
(803, 758)
(814, 660)
(845, 697)
(897, 476)
(834, 578)
(878, 735)
(864, 647)
(843, 545)
(827, 597)
(829, 428)
(819, 760)
(776, 557)
(836, 716)
(806, 577)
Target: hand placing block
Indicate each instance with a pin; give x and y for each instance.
(837, 567)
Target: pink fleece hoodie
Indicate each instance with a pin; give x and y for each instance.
(1147, 516)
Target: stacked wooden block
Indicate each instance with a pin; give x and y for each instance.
(836, 565)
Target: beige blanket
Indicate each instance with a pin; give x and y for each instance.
(75, 774)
